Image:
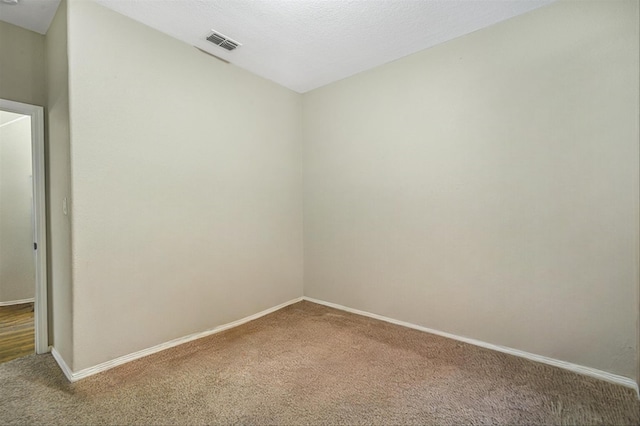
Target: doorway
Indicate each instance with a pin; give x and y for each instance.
(23, 257)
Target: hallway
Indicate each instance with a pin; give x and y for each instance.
(16, 331)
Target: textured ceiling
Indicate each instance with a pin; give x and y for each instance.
(34, 15)
(306, 44)
(301, 44)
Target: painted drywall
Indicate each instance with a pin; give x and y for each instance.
(17, 263)
(488, 187)
(6, 117)
(186, 188)
(58, 186)
(22, 68)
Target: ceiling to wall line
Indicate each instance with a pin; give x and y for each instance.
(34, 15)
(7, 117)
(305, 44)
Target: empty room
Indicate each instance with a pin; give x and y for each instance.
(321, 212)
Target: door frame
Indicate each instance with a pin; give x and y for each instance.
(39, 216)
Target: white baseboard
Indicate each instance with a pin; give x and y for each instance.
(17, 302)
(63, 365)
(587, 371)
(74, 376)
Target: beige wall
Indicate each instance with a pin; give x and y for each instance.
(17, 263)
(22, 68)
(58, 186)
(488, 187)
(187, 202)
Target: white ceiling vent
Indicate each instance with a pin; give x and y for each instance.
(222, 41)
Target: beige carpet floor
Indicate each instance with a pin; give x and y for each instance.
(308, 364)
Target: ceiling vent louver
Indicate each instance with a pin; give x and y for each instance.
(222, 41)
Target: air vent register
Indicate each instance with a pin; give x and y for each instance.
(222, 41)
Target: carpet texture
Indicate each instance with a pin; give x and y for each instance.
(309, 364)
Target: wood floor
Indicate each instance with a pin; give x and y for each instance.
(17, 337)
